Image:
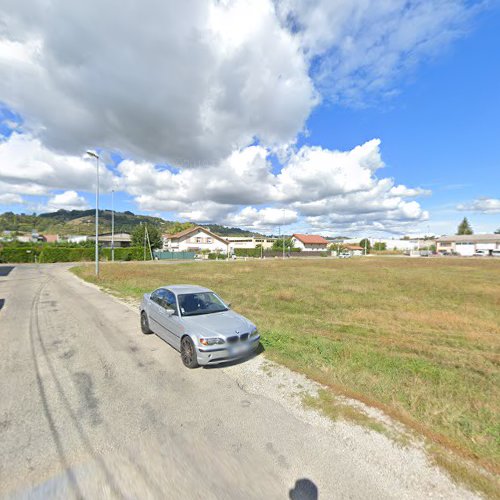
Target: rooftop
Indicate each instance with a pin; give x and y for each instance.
(311, 238)
(473, 238)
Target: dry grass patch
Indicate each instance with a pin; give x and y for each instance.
(419, 338)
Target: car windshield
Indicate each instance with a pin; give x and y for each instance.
(192, 304)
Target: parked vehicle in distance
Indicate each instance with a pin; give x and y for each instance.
(481, 253)
(345, 255)
(198, 323)
(495, 253)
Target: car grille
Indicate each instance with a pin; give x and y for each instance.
(242, 338)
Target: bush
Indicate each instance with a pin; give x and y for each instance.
(18, 254)
(130, 253)
(217, 256)
(247, 252)
(63, 254)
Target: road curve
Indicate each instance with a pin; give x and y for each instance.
(91, 408)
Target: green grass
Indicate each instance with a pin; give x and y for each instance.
(417, 338)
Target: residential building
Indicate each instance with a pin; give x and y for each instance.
(195, 239)
(468, 244)
(310, 242)
(354, 249)
(50, 238)
(75, 238)
(120, 240)
(249, 242)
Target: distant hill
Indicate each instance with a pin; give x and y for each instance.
(228, 231)
(65, 222)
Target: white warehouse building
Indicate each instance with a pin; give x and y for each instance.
(468, 244)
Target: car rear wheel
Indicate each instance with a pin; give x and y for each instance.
(145, 324)
(188, 353)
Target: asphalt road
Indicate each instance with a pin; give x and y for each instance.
(91, 408)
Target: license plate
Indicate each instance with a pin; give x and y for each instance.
(238, 350)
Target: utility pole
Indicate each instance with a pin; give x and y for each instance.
(283, 235)
(146, 236)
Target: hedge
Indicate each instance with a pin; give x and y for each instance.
(247, 252)
(63, 254)
(18, 254)
(130, 253)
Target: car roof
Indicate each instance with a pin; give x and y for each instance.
(181, 289)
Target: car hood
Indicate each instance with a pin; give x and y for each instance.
(225, 323)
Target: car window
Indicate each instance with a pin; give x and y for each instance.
(168, 300)
(200, 303)
(157, 295)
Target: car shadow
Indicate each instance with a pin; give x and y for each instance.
(5, 270)
(304, 489)
(260, 349)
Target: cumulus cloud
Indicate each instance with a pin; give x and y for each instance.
(28, 167)
(69, 200)
(10, 199)
(183, 83)
(315, 182)
(484, 205)
(212, 89)
(189, 82)
(362, 48)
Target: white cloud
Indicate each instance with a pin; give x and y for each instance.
(69, 200)
(183, 83)
(10, 199)
(264, 218)
(362, 48)
(315, 182)
(189, 82)
(28, 167)
(484, 205)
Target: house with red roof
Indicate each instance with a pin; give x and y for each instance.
(195, 239)
(310, 242)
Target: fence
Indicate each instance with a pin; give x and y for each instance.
(174, 255)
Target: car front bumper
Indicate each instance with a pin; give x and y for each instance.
(211, 355)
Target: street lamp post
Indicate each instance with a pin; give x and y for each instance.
(112, 225)
(96, 156)
(283, 234)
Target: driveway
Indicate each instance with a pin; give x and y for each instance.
(91, 408)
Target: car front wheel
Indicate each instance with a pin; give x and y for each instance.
(188, 353)
(145, 323)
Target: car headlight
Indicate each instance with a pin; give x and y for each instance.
(211, 341)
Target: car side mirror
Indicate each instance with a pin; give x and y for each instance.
(170, 312)
(229, 305)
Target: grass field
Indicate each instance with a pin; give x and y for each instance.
(418, 338)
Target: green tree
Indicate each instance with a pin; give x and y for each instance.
(379, 245)
(180, 226)
(497, 231)
(365, 243)
(278, 244)
(464, 227)
(154, 234)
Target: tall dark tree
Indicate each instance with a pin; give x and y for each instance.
(497, 231)
(365, 243)
(464, 227)
(154, 234)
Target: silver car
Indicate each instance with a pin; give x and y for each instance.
(198, 323)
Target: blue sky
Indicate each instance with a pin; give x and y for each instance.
(228, 131)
